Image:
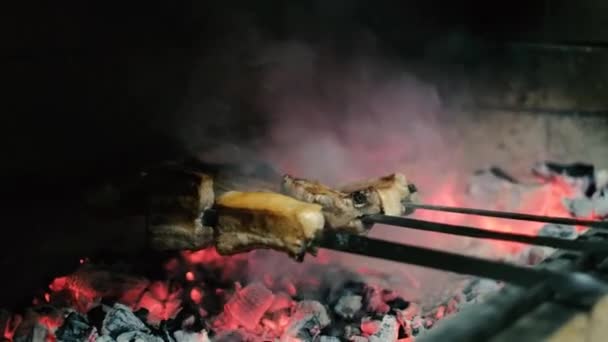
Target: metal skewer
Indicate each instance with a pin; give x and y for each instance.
(572, 284)
(573, 245)
(512, 216)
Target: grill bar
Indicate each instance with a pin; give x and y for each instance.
(572, 245)
(445, 261)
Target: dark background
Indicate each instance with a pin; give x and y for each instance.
(95, 90)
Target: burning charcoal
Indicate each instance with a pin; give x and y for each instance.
(281, 301)
(8, 324)
(161, 302)
(348, 306)
(184, 336)
(75, 328)
(375, 302)
(137, 336)
(389, 330)
(369, 326)
(558, 231)
(120, 320)
(249, 304)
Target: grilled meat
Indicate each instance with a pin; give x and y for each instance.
(344, 207)
(342, 210)
(250, 220)
(393, 192)
(176, 201)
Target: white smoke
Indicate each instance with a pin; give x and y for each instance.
(337, 119)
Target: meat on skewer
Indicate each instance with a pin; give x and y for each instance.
(250, 220)
(344, 208)
(244, 220)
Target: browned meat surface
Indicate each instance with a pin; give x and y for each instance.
(249, 220)
(344, 207)
(176, 202)
(392, 191)
(342, 210)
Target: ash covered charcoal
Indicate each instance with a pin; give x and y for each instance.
(185, 336)
(584, 177)
(352, 331)
(489, 186)
(478, 289)
(248, 305)
(235, 336)
(328, 339)
(601, 179)
(579, 207)
(388, 331)
(596, 206)
(120, 319)
(38, 333)
(75, 328)
(39, 321)
(306, 322)
(340, 289)
(600, 205)
(558, 231)
(348, 306)
(138, 336)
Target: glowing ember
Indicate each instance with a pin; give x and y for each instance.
(196, 295)
(161, 301)
(265, 295)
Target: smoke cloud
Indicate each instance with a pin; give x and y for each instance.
(314, 111)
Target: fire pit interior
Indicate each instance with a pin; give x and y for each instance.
(487, 114)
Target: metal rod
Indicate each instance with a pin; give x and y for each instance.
(513, 216)
(445, 261)
(573, 245)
